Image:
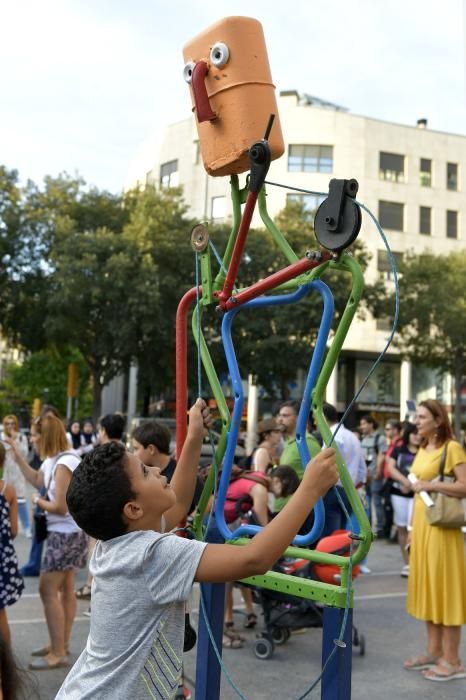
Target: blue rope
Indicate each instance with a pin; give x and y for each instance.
(352, 402)
(220, 261)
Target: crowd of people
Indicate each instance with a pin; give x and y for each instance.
(64, 536)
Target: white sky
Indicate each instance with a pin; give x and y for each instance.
(84, 82)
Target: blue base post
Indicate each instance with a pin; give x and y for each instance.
(208, 672)
(336, 681)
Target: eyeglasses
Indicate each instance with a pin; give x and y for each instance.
(10, 422)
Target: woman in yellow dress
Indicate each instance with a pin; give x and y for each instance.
(437, 576)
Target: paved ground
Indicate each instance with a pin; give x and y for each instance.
(379, 614)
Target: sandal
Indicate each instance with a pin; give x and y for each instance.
(420, 663)
(44, 665)
(83, 593)
(43, 651)
(232, 642)
(251, 621)
(445, 671)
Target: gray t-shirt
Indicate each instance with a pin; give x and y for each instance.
(135, 644)
(373, 445)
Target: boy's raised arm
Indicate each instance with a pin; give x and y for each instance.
(222, 562)
(184, 478)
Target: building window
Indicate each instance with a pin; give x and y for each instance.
(452, 224)
(391, 167)
(391, 215)
(310, 202)
(310, 159)
(452, 176)
(218, 208)
(169, 176)
(384, 265)
(425, 220)
(425, 172)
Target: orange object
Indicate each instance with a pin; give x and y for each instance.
(232, 92)
(336, 543)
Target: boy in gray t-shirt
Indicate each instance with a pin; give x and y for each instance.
(142, 578)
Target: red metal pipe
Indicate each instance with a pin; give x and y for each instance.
(181, 354)
(204, 111)
(273, 281)
(238, 248)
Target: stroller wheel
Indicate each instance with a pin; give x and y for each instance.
(280, 635)
(263, 648)
(362, 645)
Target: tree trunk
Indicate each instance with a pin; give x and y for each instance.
(459, 365)
(96, 397)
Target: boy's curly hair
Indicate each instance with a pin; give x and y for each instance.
(99, 489)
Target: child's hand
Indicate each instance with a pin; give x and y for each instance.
(321, 473)
(199, 418)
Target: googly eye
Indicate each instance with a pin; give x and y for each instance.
(188, 71)
(219, 54)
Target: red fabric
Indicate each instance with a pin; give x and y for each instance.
(236, 490)
(391, 447)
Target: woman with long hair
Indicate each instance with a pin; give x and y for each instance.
(66, 545)
(265, 455)
(11, 471)
(437, 576)
(399, 465)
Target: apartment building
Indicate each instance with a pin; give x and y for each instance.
(410, 177)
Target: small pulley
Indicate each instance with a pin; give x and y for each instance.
(199, 238)
(338, 219)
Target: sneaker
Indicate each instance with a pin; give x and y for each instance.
(87, 613)
(183, 693)
(405, 571)
(363, 569)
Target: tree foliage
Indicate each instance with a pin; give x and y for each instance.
(432, 319)
(104, 273)
(43, 375)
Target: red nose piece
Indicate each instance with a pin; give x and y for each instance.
(201, 99)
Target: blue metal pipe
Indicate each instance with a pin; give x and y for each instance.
(232, 438)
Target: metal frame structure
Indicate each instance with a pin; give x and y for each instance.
(288, 285)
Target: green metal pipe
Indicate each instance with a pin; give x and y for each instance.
(236, 203)
(349, 264)
(225, 417)
(277, 235)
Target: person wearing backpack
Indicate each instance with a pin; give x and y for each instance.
(374, 447)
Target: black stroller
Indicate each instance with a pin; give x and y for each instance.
(284, 613)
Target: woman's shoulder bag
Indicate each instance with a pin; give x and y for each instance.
(447, 511)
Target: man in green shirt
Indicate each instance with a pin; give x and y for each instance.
(287, 417)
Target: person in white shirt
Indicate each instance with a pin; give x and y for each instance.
(351, 451)
(66, 544)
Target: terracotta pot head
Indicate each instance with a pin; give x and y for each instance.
(232, 93)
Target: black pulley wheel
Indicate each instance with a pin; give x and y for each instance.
(350, 224)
